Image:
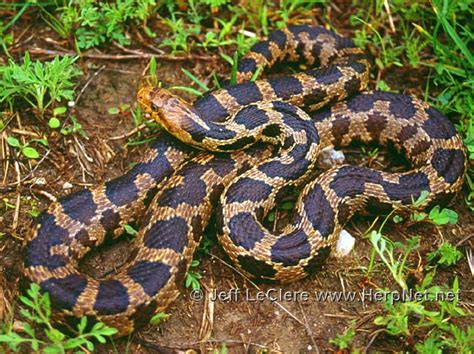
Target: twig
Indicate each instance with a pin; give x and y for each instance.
(374, 335)
(138, 55)
(308, 329)
(390, 19)
(130, 133)
(464, 240)
(33, 170)
(18, 195)
(470, 260)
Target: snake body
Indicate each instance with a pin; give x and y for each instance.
(261, 141)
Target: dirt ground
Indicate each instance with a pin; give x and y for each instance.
(291, 326)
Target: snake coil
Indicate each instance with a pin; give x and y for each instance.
(262, 137)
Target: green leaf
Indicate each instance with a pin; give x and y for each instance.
(13, 141)
(30, 152)
(54, 334)
(159, 317)
(421, 199)
(443, 217)
(195, 79)
(59, 110)
(187, 89)
(287, 206)
(54, 123)
(129, 229)
(82, 325)
(113, 110)
(448, 255)
(271, 216)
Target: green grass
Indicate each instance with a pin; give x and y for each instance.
(37, 310)
(40, 84)
(434, 317)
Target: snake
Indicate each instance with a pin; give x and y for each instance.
(235, 152)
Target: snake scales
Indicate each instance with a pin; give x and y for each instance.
(262, 143)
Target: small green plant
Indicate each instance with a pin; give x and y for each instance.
(38, 311)
(25, 149)
(396, 319)
(436, 216)
(95, 22)
(54, 121)
(158, 318)
(193, 278)
(446, 255)
(39, 83)
(129, 229)
(180, 33)
(7, 205)
(385, 250)
(343, 340)
(74, 127)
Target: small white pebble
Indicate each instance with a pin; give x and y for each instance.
(248, 33)
(330, 158)
(40, 180)
(67, 185)
(345, 244)
(310, 347)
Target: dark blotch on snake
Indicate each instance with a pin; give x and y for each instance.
(247, 65)
(110, 219)
(247, 189)
(264, 49)
(152, 276)
(316, 263)
(402, 107)
(64, 292)
(286, 88)
(251, 117)
(279, 38)
(49, 235)
(449, 164)
(112, 298)
(375, 124)
(409, 187)
(438, 126)
(245, 231)
(245, 93)
(319, 211)
(209, 107)
(122, 190)
(80, 206)
(349, 181)
(290, 249)
(171, 233)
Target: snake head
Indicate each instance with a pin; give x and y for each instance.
(171, 112)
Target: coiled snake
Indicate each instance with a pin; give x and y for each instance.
(262, 143)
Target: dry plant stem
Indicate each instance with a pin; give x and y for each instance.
(138, 55)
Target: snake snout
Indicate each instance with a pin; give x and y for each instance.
(144, 98)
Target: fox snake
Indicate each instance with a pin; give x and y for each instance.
(259, 141)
